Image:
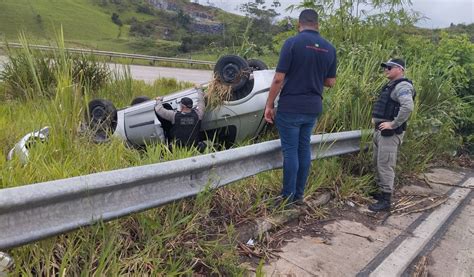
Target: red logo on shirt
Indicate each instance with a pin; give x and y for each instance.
(317, 48)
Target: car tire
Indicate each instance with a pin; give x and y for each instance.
(255, 64)
(102, 118)
(139, 99)
(242, 92)
(232, 70)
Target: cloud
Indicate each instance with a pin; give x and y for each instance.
(439, 13)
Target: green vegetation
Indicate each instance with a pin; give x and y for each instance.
(136, 26)
(123, 25)
(29, 74)
(80, 19)
(199, 235)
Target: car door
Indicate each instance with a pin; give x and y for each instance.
(222, 124)
(142, 125)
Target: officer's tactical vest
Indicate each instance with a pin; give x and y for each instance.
(386, 108)
(186, 128)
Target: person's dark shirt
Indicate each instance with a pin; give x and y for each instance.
(307, 59)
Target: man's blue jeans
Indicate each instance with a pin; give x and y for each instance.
(295, 134)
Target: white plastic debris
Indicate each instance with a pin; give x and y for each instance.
(250, 242)
(6, 264)
(22, 147)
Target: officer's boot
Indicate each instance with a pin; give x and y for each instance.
(377, 195)
(382, 204)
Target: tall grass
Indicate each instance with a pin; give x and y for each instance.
(347, 104)
(178, 239)
(32, 73)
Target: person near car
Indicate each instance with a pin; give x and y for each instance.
(186, 121)
(306, 64)
(390, 115)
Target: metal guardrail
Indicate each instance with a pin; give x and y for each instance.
(113, 54)
(32, 212)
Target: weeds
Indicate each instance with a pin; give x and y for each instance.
(33, 74)
(218, 93)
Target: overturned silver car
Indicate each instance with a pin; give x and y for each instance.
(236, 119)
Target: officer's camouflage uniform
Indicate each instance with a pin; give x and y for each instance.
(386, 147)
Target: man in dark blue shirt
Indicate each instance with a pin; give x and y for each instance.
(307, 63)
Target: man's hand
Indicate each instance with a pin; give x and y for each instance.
(275, 89)
(269, 114)
(158, 101)
(385, 125)
(329, 82)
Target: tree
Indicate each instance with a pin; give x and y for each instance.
(145, 8)
(183, 19)
(258, 9)
(260, 28)
(116, 19)
(345, 17)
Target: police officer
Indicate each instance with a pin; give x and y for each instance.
(390, 115)
(186, 123)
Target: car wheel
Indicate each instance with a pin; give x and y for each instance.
(255, 64)
(102, 118)
(139, 99)
(232, 70)
(243, 91)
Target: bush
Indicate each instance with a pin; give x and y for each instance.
(116, 19)
(146, 9)
(28, 75)
(89, 72)
(196, 42)
(32, 74)
(155, 47)
(144, 29)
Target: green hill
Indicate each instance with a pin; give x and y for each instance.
(80, 19)
(153, 27)
(88, 23)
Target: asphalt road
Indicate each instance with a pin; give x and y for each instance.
(151, 73)
(3, 59)
(453, 255)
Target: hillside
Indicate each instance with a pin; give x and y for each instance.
(79, 18)
(150, 27)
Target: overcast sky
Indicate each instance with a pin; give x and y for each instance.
(440, 13)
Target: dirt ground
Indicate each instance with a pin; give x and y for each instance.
(319, 224)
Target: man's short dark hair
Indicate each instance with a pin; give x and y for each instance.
(308, 17)
(187, 102)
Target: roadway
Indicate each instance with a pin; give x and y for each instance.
(3, 60)
(149, 74)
